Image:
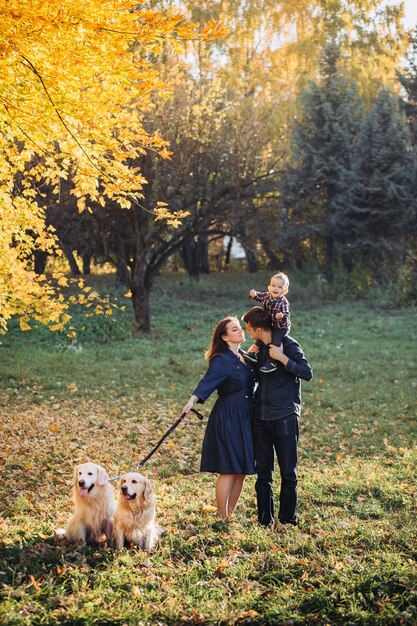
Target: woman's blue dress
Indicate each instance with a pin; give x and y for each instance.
(228, 444)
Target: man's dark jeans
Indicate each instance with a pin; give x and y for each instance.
(282, 436)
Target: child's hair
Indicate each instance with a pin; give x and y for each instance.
(283, 277)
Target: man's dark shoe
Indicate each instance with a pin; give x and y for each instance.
(270, 366)
(249, 356)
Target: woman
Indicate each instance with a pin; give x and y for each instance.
(227, 446)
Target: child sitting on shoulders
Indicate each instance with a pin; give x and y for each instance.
(278, 308)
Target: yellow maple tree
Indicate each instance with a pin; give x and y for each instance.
(75, 82)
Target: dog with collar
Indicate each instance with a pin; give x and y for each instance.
(94, 506)
(134, 520)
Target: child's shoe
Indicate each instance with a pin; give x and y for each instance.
(252, 357)
(270, 366)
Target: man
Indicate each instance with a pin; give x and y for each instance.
(277, 411)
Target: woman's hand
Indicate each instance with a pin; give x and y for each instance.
(189, 404)
(253, 348)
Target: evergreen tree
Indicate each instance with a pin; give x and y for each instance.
(377, 221)
(408, 80)
(317, 187)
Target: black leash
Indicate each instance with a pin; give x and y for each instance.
(162, 439)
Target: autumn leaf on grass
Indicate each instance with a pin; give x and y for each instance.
(196, 618)
(288, 591)
(35, 583)
(208, 508)
(248, 614)
(222, 566)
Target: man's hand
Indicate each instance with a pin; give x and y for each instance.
(277, 353)
(253, 348)
(279, 315)
(252, 293)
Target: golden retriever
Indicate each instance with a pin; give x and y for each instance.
(92, 520)
(135, 513)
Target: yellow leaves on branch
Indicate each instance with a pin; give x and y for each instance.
(78, 74)
(174, 219)
(75, 81)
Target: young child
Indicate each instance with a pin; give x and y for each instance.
(277, 305)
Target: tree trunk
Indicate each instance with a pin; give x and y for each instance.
(329, 262)
(122, 278)
(69, 255)
(86, 263)
(140, 301)
(203, 254)
(189, 257)
(40, 258)
(250, 258)
(228, 253)
(121, 275)
(283, 227)
(274, 261)
(140, 285)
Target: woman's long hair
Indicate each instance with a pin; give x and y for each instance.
(217, 343)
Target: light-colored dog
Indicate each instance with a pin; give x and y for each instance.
(134, 520)
(92, 520)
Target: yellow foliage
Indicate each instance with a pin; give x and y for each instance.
(75, 82)
(173, 219)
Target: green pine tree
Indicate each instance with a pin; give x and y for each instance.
(376, 223)
(408, 80)
(317, 187)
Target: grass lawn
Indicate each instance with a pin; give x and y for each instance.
(109, 396)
